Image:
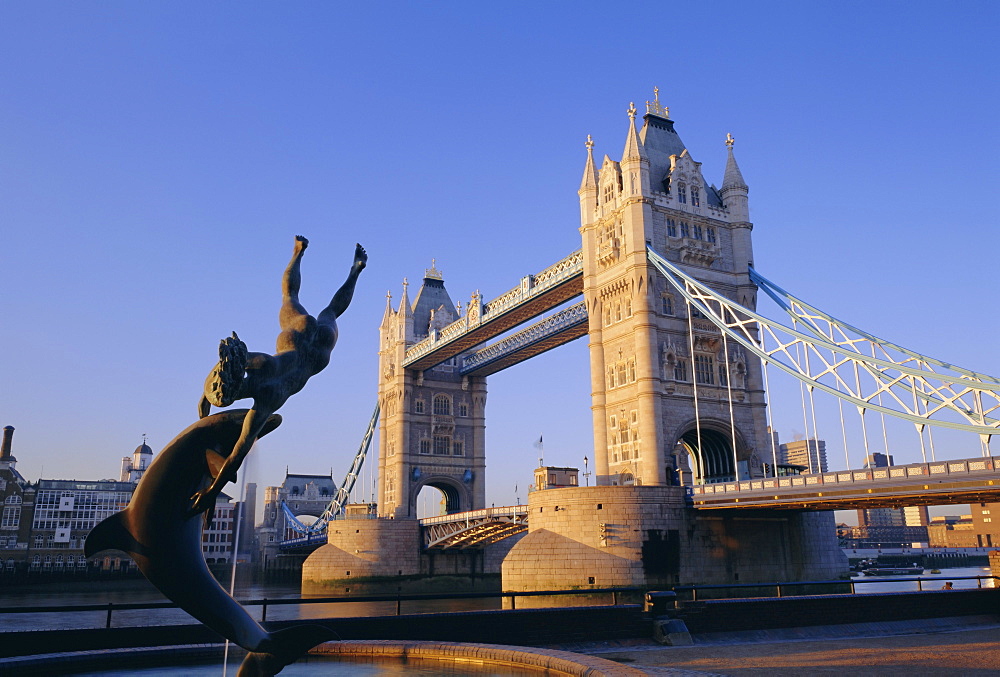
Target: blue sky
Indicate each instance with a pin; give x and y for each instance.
(157, 158)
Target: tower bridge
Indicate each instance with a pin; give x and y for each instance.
(680, 361)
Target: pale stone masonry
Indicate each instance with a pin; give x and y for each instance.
(648, 354)
(609, 536)
(432, 430)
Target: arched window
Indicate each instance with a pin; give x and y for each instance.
(442, 405)
(418, 407)
(671, 228)
(13, 500)
(626, 479)
(695, 196)
(682, 195)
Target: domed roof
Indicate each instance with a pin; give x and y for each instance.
(143, 449)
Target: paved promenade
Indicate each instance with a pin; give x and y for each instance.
(968, 646)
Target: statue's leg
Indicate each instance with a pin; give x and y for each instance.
(291, 309)
(343, 297)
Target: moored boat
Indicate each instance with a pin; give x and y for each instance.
(893, 571)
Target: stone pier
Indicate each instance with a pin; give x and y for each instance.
(595, 537)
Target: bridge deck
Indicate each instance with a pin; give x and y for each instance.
(975, 480)
(474, 528)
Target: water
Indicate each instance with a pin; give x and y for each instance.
(930, 581)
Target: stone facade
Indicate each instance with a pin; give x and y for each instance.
(364, 548)
(646, 536)
(432, 429)
(651, 358)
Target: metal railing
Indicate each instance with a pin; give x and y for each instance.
(614, 592)
(782, 587)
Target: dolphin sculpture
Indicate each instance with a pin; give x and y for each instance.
(163, 535)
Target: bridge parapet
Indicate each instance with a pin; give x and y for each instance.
(952, 481)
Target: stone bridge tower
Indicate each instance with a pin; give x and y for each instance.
(432, 429)
(648, 354)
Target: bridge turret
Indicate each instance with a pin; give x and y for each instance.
(734, 196)
(635, 162)
(588, 186)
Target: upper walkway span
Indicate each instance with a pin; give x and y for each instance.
(482, 322)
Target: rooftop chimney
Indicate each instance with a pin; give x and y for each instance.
(8, 436)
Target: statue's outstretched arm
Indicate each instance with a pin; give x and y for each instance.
(253, 424)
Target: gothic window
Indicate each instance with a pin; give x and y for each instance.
(695, 196)
(614, 421)
(697, 232)
(425, 446)
(458, 448)
(628, 307)
(622, 378)
(626, 479)
(418, 407)
(668, 305)
(441, 445)
(671, 228)
(618, 312)
(723, 376)
(609, 192)
(631, 370)
(682, 195)
(710, 234)
(442, 405)
(680, 370)
(685, 229)
(611, 378)
(703, 369)
(607, 315)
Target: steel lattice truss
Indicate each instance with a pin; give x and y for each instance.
(858, 367)
(343, 494)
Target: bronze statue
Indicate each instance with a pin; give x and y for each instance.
(159, 532)
(303, 350)
(160, 528)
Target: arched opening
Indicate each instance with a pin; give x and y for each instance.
(438, 498)
(714, 463)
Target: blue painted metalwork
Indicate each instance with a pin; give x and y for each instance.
(835, 364)
(336, 506)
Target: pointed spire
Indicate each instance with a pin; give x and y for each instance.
(589, 170)
(634, 150)
(733, 178)
(404, 300)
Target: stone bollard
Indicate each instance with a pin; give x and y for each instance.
(660, 602)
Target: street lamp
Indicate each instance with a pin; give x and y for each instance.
(586, 473)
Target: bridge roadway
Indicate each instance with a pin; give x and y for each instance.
(974, 480)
